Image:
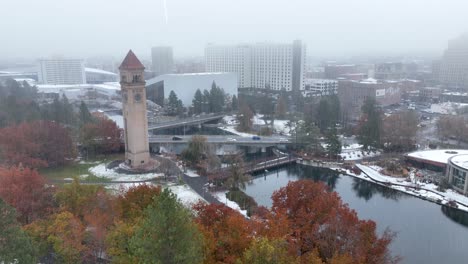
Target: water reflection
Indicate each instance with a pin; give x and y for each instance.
(424, 234)
(326, 176)
(455, 215)
(366, 190)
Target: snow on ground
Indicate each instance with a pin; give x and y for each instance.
(230, 120)
(88, 162)
(221, 196)
(446, 108)
(232, 129)
(426, 190)
(191, 173)
(101, 171)
(186, 195)
(438, 155)
(281, 127)
(354, 152)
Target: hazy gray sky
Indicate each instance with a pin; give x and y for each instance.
(34, 28)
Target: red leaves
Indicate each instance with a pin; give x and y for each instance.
(229, 231)
(26, 190)
(133, 202)
(319, 220)
(102, 136)
(36, 144)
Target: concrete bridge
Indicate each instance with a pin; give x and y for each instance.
(185, 122)
(222, 145)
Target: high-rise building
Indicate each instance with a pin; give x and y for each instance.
(132, 83)
(453, 68)
(236, 59)
(263, 65)
(62, 71)
(162, 60)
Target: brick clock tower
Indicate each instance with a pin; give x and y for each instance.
(132, 85)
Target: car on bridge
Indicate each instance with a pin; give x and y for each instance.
(256, 138)
(176, 138)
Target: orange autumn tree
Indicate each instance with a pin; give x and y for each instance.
(27, 192)
(320, 221)
(230, 231)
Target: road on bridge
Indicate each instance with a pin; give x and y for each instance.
(184, 122)
(232, 140)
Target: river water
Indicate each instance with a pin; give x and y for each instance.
(426, 232)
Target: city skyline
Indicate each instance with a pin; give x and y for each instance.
(360, 27)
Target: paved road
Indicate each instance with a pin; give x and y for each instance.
(198, 185)
(184, 122)
(233, 140)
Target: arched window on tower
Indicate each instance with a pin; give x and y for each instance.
(136, 78)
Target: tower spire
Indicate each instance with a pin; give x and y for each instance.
(131, 62)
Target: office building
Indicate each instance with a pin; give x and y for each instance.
(353, 93)
(452, 70)
(62, 71)
(320, 87)
(162, 60)
(262, 66)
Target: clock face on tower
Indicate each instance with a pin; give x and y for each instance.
(137, 97)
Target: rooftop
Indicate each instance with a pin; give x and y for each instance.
(440, 156)
(460, 161)
(93, 70)
(131, 62)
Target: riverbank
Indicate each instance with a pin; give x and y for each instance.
(425, 191)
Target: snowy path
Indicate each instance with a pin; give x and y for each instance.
(424, 191)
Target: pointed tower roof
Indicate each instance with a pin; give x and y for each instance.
(131, 62)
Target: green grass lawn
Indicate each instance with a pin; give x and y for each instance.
(76, 169)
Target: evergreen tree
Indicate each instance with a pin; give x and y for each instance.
(84, 114)
(167, 233)
(306, 137)
(67, 115)
(323, 115)
(335, 108)
(216, 99)
(369, 130)
(206, 101)
(15, 245)
(174, 106)
(234, 103)
(333, 143)
(197, 102)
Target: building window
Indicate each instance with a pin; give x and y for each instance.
(459, 178)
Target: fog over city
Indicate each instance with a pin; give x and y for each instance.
(332, 27)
